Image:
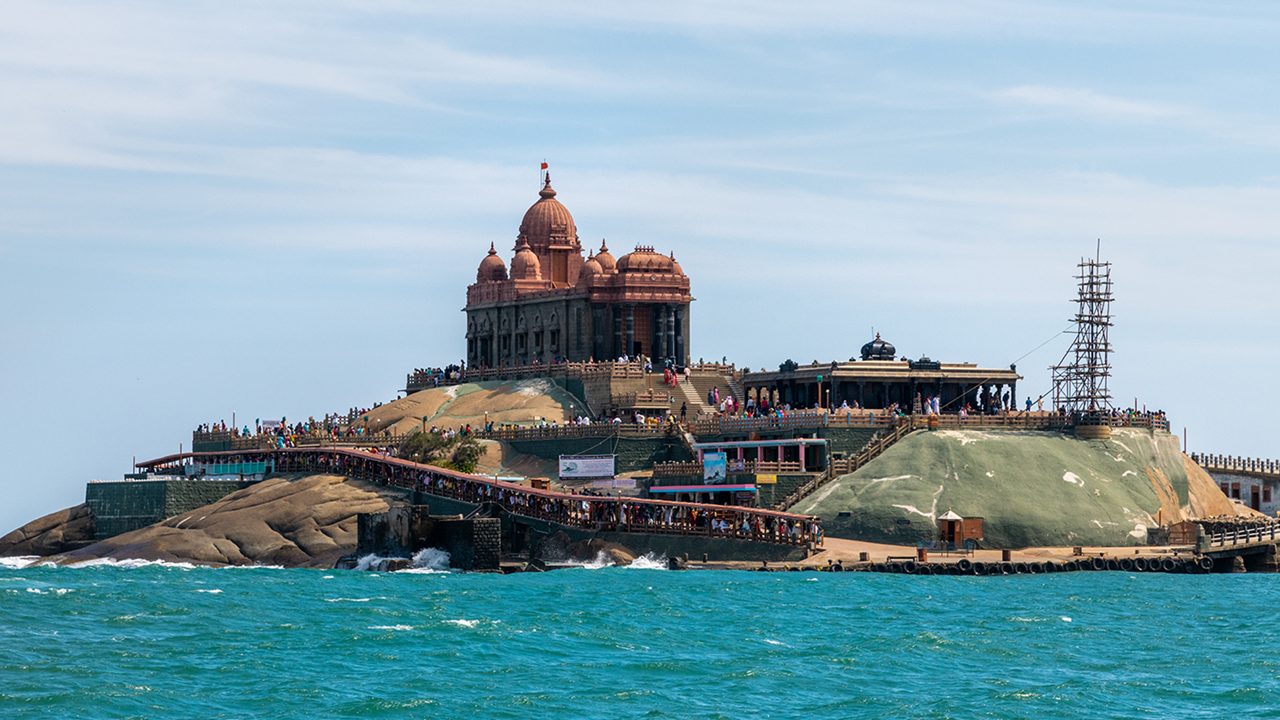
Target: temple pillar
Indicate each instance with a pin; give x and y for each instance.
(617, 332)
(631, 330)
(801, 449)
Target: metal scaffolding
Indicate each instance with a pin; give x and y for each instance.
(1080, 379)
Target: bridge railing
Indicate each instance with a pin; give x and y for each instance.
(582, 511)
(1244, 536)
(687, 468)
(1234, 463)
(594, 430)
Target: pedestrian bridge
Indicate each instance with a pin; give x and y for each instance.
(583, 514)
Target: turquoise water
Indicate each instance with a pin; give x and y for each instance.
(112, 642)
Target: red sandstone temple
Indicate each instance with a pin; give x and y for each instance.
(554, 305)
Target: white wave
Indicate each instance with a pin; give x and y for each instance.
(253, 567)
(49, 591)
(17, 562)
(649, 561)
(327, 577)
(354, 600)
(1064, 618)
(771, 641)
(131, 564)
(396, 628)
(433, 559)
(214, 591)
(372, 562)
(463, 623)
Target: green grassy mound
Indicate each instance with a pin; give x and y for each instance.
(1031, 488)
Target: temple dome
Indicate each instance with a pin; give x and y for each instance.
(645, 260)
(548, 218)
(590, 269)
(525, 264)
(675, 266)
(605, 258)
(492, 269)
(878, 350)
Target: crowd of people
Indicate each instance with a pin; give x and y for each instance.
(585, 511)
(435, 377)
(283, 433)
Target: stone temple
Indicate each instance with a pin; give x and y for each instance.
(554, 305)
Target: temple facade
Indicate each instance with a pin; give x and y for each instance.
(881, 379)
(555, 305)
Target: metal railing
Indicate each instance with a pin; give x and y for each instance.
(848, 465)
(694, 468)
(1243, 536)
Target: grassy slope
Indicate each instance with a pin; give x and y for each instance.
(1032, 488)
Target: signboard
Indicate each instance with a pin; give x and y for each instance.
(766, 479)
(587, 466)
(614, 484)
(270, 424)
(714, 467)
(737, 465)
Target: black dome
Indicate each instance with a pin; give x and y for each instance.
(878, 350)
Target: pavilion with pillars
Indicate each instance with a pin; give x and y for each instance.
(880, 379)
(555, 305)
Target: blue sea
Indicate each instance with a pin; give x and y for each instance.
(157, 641)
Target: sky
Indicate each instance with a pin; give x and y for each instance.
(274, 208)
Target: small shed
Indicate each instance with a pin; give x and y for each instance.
(956, 531)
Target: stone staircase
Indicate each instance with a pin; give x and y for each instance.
(844, 467)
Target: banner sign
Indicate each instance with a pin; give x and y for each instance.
(587, 466)
(614, 484)
(714, 467)
(766, 479)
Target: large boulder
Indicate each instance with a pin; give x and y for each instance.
(1031, 489)
(57, 532)
(308, 522)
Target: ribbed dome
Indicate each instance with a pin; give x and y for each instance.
(675, 266)
(645, 260)
(605, 258)
(590, 269)
(492, 269)
(878, 350)
(525, 265)
(547, 219)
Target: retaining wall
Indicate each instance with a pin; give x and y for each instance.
(119, 507)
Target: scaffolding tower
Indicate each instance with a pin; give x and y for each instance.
(1080, 379)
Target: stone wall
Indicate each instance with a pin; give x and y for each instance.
(119, 507)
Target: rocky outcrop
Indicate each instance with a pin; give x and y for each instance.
(54, 533)
(1031, 489)
(307, 522)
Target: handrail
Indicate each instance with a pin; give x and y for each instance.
(687, 468)
(1233, 463)
(866, 455)
(268, 441)
(1244, 536)
(806, 419)
(584, 511)
(594, 430)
